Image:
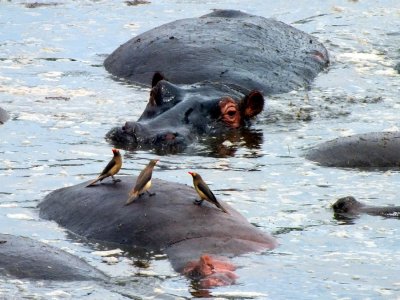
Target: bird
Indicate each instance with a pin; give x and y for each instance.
(204, 192)
(111, 169)
(143, 182)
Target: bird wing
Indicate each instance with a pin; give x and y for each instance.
(203, 187)
(143, 179)
(109, 166)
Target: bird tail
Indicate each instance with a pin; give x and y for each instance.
(132, 197)
(223, 209)
(94, 181)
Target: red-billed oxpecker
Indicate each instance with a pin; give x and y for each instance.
(143, 183)
(204, 192)
(111, 169)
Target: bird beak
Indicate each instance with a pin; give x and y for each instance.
(191, 173)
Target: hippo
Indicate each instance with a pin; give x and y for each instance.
(367, 150)
(22, 257)
(397, 67)
(349, 206)
(3, 116)
(219, 60)
(198, 240)
(176, 115)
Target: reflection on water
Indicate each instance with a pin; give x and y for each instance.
(61, 103)
(227, 143)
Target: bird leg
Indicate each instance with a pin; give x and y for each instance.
(150, 194)
(115, 180)
(198, 201)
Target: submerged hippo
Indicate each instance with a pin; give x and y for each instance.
(223, 55)
(368, 150)
(3, 116)
(23, 257)
(197, 239)
(349, 206)
(175, 116)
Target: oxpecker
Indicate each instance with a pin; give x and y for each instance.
(204, 192)
(111, 169)
(143, 183)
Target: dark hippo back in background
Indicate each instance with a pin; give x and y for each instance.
(225, 46)
(349, 207)
(3, 116)
(368, 150)
(23, 257)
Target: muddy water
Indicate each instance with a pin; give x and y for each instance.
(61, 102)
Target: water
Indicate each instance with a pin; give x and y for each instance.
(62, 102)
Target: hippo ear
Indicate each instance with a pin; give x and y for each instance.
(156, 78)
(252, 104)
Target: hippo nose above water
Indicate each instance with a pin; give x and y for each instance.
(129, 127)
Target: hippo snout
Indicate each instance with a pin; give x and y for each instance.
(122, 136)
(130, 127)
(133, 135)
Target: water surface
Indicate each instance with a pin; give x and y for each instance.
(62, 102)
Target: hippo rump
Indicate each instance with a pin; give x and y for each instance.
(368, 150)
(22, 257)
(225, 46)
(197, 239)
(3, 116)
(350, 207)
(223, 55)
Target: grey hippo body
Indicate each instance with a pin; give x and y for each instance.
(368, 150)
(22, 257)
(168, 221)
(349, 206)
(225, 46)
(3, 116)
(224, 54)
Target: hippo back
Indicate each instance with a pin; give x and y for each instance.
(367, 150)
(23, 257)
(153, 223)
(225, 46)
(3, 116)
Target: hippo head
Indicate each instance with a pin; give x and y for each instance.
(210, 272)
(347, 205)
(176, 115)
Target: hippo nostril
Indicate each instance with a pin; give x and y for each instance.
(129, 127)
(170, 136)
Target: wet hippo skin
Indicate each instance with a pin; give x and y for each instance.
(177, 115)
(225, 46)
(218, 59)
(349, 206)
(3, 116)
(23, 257)
(167, 221)
(367, 150)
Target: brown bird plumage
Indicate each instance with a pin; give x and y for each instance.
(143, 182)
(111, 169)
(204, 192)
